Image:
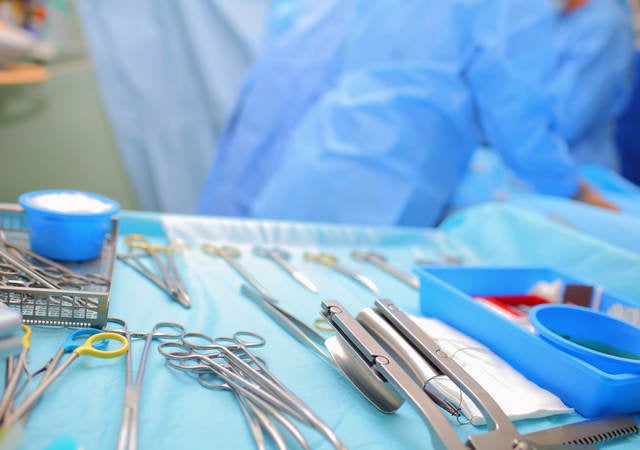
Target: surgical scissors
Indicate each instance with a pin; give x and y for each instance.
(170, 282)
(69, 345)
(240, 343)
(252, 380)
(128, 437)
(87, 348)
(380, 261)
(331, 260)
(230, 255)
(280, 256)
(216, 375)
(262, 397)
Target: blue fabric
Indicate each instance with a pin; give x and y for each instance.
(86, 402)
(502, 234)
(362, 112)
(169, 73)
(593, 79)
(614, 228)
(628, 133)
(489, 179)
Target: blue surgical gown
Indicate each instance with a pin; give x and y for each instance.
(361, 111)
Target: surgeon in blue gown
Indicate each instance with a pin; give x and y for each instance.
(361, 111)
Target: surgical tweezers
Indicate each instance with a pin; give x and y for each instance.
(280, 257)
(379, 260)
(170, 281)
(331, 260)
(230, 255)
(296, 327)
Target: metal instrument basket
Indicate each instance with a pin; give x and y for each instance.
(80, 301)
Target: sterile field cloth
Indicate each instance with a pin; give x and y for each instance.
(86, 403)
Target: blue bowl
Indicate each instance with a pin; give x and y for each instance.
(68, 231)
(610, 344)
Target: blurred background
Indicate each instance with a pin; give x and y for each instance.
(55, 131)
(53, 127)
(84, 102)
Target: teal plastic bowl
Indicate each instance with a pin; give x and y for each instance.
(610, 344)
(71, 227)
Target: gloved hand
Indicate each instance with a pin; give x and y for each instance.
(589, 195)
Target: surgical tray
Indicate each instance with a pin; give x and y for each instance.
(445, 293)
(75, 304)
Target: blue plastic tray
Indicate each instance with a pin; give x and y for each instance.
(445, 293)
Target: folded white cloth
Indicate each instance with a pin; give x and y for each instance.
(517, 396)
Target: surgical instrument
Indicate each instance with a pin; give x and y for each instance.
(369, 385)
(52, 271)
(253, 408)
(252, 379)
(331, 260)
(421, 370)
(69, 345)
(19, 270)
(128, 437)
(24, 270)
(296, 406)
(260, 404)
(280, 256)
(14, 373)
(501, 433)
(69, 293)
(230, 255)
(379, 260)
(86, 348)
(170, 281)
(448, 259)
(296, 327)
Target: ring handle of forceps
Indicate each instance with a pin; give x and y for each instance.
(225, 251)
(260, 250)
(177, 246)
(323, 257)
(156, 334)
(230, 343)
(239, 339)
(141, 242)
(365, 255)
(70, 344)
(87, 347)
(236, 340)
(298, 329)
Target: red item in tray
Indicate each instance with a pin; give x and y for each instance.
(516, 305)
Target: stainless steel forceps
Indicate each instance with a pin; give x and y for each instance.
(128, 437)
(280, 256)
(331, 260)
(379, 260)
(294, 326)
(230, 255)
(170, 281)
